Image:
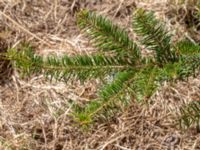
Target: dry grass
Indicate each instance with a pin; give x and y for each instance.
(34, 113)
(185, 14)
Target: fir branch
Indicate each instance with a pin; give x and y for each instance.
(82, 67)
(189, 57)
(154, 36)
(110, 98)
(190, 66)
(106, 36)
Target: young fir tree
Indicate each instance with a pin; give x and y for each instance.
(136, 77)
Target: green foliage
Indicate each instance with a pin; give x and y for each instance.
(106, 36)
(26, 60)
(154, 36)
(187, 48)
(111, 98)
(82, 67)
(135, 77)
(144, 83)
(190, 57)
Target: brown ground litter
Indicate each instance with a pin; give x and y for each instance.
(34, 113)
(186, 13)
(5, 65)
